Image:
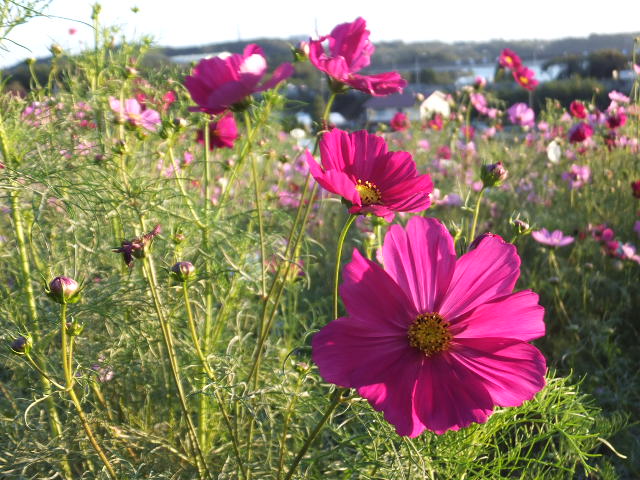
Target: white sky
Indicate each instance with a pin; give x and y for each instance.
(197, 22)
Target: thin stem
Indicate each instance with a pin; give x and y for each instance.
(66, 365)
(183, 191)
(55, 425)
(336, 274)
(335, 400)
(167, 336)
(256, 190)
(327, 109)
(206, 369)
(476, 213)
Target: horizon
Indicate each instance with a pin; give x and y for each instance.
(169, 27)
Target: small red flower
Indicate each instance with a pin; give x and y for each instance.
(525, 78)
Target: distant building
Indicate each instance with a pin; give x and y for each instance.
(382, 109)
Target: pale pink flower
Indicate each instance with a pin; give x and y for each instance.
(553, 239)
(132, 113)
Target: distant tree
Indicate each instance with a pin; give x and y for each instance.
(603, 62)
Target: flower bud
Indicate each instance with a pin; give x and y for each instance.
(183, 271)
(21, 345)
(493, 175)
(64, 290)
(56, 50)
(74, 328)
(180, 123)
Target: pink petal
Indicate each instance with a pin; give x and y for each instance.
(448, 396)
(517, 316)
(393, 395)
(369, 292)
(512, 372)
(421, 260)
(489, 271)
(354, 352)
(281, 73)
(334, 181)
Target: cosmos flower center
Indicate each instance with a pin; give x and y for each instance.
(369, 192)
(524, 80)
(429, 332)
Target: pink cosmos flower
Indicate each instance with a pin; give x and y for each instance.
(521, 114)
(577, 109)
(479, 102)
(554, 239)
(400, 122)
(222, 133)
(509, 59)
(349, 52)
(578, 176)
(432, 341)
(133, 113)
(580, 132)
(217, 84)
(525, 78)
(616, 96)
(358, 167)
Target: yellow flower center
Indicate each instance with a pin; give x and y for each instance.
(369, 193)
(429, 332)
(524, 80)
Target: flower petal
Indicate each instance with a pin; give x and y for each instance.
(421, 260)
(517, 316)
(512, 372)
(368, 292)
(448, 396)
(486, 272)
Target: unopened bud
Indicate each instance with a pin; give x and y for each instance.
(180, 123)
(64, 290)
(21, 345)
(56, 50)
(493, 175)
(183, 271)
(132, 72)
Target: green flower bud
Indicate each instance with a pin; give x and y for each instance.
(493, 175)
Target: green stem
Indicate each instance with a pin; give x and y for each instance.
(256, 190)
(476, 213)
(55, 425)
(335, 400)
(206, 370)
(327, 109)
(68, 375)
(183, 191)
(167, 336)
(336, 273)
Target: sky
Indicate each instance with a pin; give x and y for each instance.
(199, 22)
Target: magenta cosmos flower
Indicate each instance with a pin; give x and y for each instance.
(217, 84)
(580, 132)
(132, 112)
(432, 341)
(349, 52)
(358, 167)
(509, 59)
(553, 239)
(222, 133)
(526, 78)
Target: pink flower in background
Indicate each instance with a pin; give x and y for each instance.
(525, 78)
(480, 82)
(400, 122)
(479, 102)
(580, 132)
(350, 51)
(618, 97)
(577, 109)
(217, 84)
(553, 239)
(636, 227)
(222, 133)
(359, 167)
(578, 176)
(635, 188)
(444, 152)
(616, 118)
(521, 114)
(432, 341)
(72, 31)
(636, 68)
(509, 59)
(133, 113)
(436, 123)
